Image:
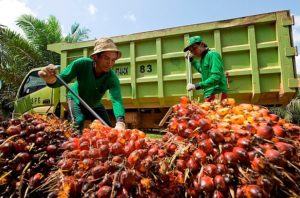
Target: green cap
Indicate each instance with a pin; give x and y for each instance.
(192, 40)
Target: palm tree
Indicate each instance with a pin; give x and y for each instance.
(19, 54)
(77, 34)
(290, 112)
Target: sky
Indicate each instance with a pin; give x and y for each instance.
(121, 17)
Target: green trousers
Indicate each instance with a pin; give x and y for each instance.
(79, 114)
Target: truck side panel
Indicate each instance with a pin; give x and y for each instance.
(258, 55)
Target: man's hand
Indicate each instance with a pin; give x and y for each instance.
(48, 73)
(191, 87)
(120, 125)
(189, 56)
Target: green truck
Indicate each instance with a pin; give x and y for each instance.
(258, 54)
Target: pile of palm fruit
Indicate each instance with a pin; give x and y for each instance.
(211, 149)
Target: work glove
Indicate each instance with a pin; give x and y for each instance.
(189, 56)
(120, 125)
(191, 87)
(48, 74)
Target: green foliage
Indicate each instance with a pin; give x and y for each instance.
(21, 53)
(290, 113)
(77, 34)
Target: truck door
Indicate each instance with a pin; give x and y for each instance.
(34, 96)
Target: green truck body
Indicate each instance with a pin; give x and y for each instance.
(258, 55)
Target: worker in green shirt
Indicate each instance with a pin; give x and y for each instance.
(210, 65)
(94, 77)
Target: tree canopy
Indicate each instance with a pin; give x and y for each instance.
(20, 53)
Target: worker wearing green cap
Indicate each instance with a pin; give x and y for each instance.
(210, 66)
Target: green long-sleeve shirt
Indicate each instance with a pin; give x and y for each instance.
(90, 88)
(211, 68)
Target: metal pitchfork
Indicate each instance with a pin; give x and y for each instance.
(190, 77)
(80, 99)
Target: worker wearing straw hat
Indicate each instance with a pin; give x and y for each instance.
(94, 77)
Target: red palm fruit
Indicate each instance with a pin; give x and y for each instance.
(186, 133)
(252, 154)
(112, 136)
(133, 158)
(274, 156)
(85, 145)
(241, 154)
(266, 183)
(216, 135)
(116, 148)
(221, 169)
(220, 183)
(24, 157)
(104, 192)
(128, 178)
(251, 191)
(78, 174)
(134, 136)
(278, 130)
(227, 147)
(140, 143)
(193, 124)
(83, 154)
(210, 170)
(182, 112)
(161, 153)
(128, 149)
(35, 180)
(274, 117)
(171, 148)
(258, 164)
(117, 159)
(181, 164)
(206, 145)
(243, 142)
(20, 145)
(88, 163)
(13, 130)
(94, 153)
(204, 124)
(265, 131)
(104, 150)
(191, 192)
(107, 180)
(199, 156)
(73, 154)
(51, 149)
(218, 194)
(231, 158)
(284, 148)
(184, 100)
(192, 164)
(153, 150)
(206, 184)
(98, 171)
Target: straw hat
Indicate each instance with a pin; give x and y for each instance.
(105, 45)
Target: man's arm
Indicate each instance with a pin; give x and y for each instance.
(116, 98)
(68, 74)
(216, 70)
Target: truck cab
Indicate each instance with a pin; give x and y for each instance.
(35, 96)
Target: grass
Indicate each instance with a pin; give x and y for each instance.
(153, 136)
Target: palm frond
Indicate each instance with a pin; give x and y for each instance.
(53, 30)
(77, 34)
